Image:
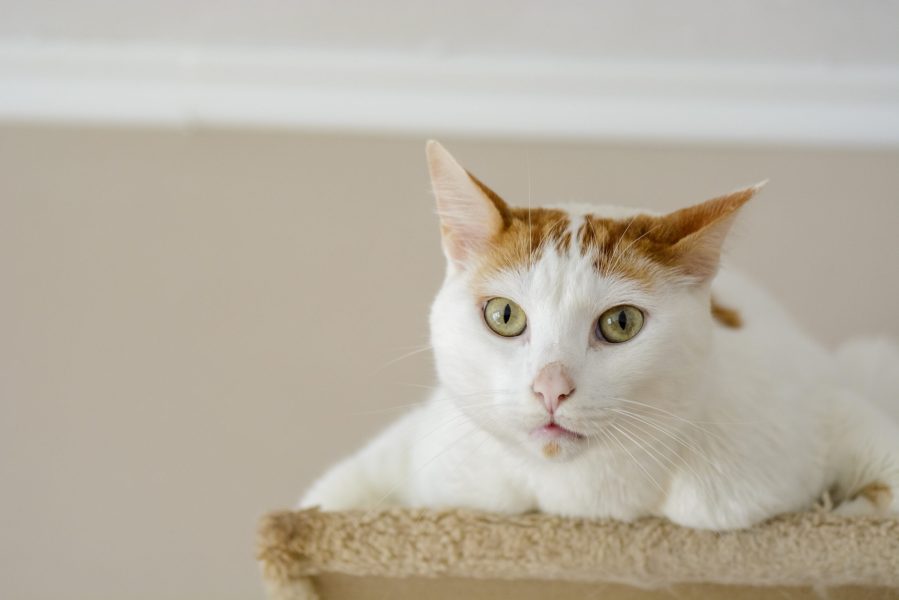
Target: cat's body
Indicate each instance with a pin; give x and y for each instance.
(713, 423)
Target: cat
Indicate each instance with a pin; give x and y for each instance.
(589, 366)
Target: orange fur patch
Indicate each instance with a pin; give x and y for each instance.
(685, 242)
(525, 231)
(526, 234)
(728, 317)
(641, 248)
(877, 493)
(622, 247)
(551, 449)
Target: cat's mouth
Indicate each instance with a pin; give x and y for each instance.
(553, 430)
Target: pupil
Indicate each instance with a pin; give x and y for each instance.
(507, 313)
(622, 320)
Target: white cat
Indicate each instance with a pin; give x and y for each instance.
(588, 366)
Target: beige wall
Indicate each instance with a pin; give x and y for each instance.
(192, 325)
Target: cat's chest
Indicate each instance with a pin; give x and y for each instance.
(599, 490)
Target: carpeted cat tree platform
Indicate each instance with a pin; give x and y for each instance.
(450, 554)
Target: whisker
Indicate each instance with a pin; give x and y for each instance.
(670, 414)
(654, 424)
(646, 448)
(637, 462)
(416, 385)
(375, 411)
(396, 407)
(683, 461)
(530, 239)
(418, 350)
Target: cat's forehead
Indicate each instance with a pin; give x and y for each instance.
(609, 240)
(577, 212)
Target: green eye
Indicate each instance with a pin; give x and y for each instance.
(505, 317)
(619, 324)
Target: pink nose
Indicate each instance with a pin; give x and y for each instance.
(553, 385)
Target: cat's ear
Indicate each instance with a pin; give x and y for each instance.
(471, 214)
(696, 233)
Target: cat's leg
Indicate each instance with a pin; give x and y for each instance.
(735, 475)
(375, 477)
(865, 458)
(736, 496)
(460, 465)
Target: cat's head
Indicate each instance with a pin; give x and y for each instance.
(552, 323)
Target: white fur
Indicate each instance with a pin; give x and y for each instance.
(727, 427)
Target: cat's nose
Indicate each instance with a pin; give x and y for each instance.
(553, 385)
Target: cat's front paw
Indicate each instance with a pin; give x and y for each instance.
(348, 486)
(715, 520)
(335, 494)
(329, 499)
(698, 506)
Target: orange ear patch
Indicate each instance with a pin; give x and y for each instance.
(527, 233)
(478, 227)
(624, 247)
(686, 242)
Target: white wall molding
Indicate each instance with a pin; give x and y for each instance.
(433, 94)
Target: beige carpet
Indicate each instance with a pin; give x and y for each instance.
(412, 553)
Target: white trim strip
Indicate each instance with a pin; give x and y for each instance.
(432, 95)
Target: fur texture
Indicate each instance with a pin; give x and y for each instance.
(714, 426)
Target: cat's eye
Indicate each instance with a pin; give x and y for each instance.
(619, 324)
(505, 317)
